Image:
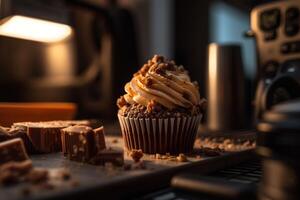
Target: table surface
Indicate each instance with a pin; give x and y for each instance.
(93, 178)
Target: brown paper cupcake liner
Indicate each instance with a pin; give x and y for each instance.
(171, 135)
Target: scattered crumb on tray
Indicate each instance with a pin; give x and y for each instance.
(182, 158)
(115, 141)
(224, 144)
(136, 155)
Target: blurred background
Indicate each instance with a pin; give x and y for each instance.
(84, 51)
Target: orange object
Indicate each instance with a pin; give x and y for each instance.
(41, 111)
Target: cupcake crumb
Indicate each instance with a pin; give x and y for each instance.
(115, 141)
(136, 155)
(157, 156)
(182, 158)
(121, 102)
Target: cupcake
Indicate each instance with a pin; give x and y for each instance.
(161, 109)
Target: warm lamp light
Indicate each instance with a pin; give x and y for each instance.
(34, 29)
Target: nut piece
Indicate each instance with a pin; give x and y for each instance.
(153, 106)
(37, 176)
(136, 155)
(12, 172)
(121, 102)
(182, 158)
(12, 150)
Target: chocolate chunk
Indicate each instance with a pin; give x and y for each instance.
(78, 143)
(12, 150)
(136, 155)
(81, 143)
(149, 82)
(121, 102)
(12, 172)
(45, 138)
(108, 156)
(21, 133)
(37, 175)
(17, 132)
(4, 135)
(99, 138)
(160, 71)
(21, 167)
(42, 137)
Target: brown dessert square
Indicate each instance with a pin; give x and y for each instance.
(45, 138)
(12, 150)
(78, 143)
(99, 136)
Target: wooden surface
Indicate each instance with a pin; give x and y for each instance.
(115, 183)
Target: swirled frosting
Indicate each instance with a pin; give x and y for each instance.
(161, 81)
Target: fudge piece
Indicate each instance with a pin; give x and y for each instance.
(82, 143)
(78, 143)
(99, 136)
(21, 133)
(12, 150)
(45, 138)
(16, 132)
(4, 135)
(108, 156)
(12, 172)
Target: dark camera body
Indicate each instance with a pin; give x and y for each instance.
(276, 27)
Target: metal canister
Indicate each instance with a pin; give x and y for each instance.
(225, 88)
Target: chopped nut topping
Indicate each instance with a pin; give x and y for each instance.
(136, 155)
(160, 71)
(121, 102)
(153, 106)
(144, 69)
(148, 82)
(158, 59)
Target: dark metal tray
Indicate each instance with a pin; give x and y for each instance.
(107, 183)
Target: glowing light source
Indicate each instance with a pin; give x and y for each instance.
(34, 29)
